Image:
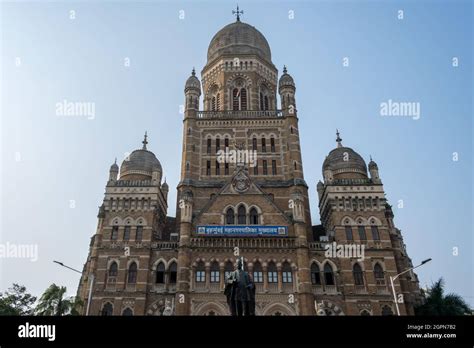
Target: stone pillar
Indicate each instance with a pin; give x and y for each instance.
(183, 300)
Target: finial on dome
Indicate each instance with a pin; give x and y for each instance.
(115, 162)
(370, 158)
(338, 139)
(193, 72)
(145, 141)
(237, 13)
(284, 69)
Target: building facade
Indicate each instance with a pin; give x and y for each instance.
(242, 194)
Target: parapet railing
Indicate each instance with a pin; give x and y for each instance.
(230, 114)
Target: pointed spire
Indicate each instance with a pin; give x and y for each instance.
(145, 141)
(193, 72)
(338, 139)
(370, 158)
(115, 160)
(284, 69)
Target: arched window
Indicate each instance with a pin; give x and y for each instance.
(266, 103)
(364, 313)
(215, 272)
(229, 216)
(228, 269)
(358, 275)
(272, 273)
(173, 270)
(379, 274)
(218, 102)
(257, 273)
(160, 273)
(241, 215)
(315, 275)
(127, 312)
(107, 310)
(200, 273)
(387, 310)
(261, 101)
(132, 273)
(375, 233)
(239, 99)
(113, 269)
(328, 274)
(287, 276)
(349, 235)
(235, 99)
(243, 99)
(253, 216)
(213, 104)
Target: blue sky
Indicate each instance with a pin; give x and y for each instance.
(49, 160)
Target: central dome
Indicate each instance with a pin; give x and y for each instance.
(239, 38)
(141, 165)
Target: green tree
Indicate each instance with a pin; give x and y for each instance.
(16, 301)
(437, 303)
(54, 302)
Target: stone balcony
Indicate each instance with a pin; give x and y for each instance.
(261, 243)
(231, 114)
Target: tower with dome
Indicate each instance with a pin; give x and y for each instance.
(253, 205)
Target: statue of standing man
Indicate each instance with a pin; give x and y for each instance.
(240, 292)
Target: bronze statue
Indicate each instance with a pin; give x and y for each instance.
(240, 292)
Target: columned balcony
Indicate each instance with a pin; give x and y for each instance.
(237, 114)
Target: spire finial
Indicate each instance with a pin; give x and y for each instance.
(338, 139)
(145, 141)
(193, 72)
(370, 158)
(237, 13)
(284, 69)
(115, 160)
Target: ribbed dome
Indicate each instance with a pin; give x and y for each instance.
(286, 80)
(373, 165)
(345, 160)
(140, 164)
(239, 38)
(192, 82)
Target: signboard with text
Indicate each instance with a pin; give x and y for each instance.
(242, 231)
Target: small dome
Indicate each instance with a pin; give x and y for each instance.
(344, 160)
(239, 38)
(373, 165)
(140, 165)
(192, 82)
(286, 80)
(114, 167)
(165, 185)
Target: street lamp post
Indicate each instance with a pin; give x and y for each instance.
(90, 287)
(392, 282)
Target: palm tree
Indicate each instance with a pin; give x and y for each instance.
(439, 304)
(54, 302)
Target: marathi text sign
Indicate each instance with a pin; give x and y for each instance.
(242, 231)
